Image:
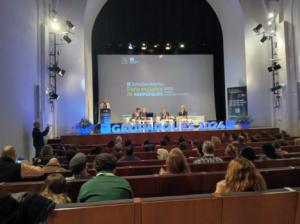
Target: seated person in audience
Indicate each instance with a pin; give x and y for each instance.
(46, 153)
(232, 151)
(105, 186)
(10, 171)
(268, 152)
(284, 134)
(181, 139)
(119, 139)
(53, 166)
(69, 153)
(162, 154)
(176, 163)
(167, 139)
(226, 137)
(242, 142)
(163, 143)
(248, 153)
(278, 149)
(235, 137)
(183, 111)
(128, 142)
(241, 176)
(245, 135)
(164, 114)
(216, 141)
(148, 146)
(183, 146)
(208, 154)
(78, 167)
(117, 151)
(111, 144)
(197, 146)
(55, 188)
(129, 155)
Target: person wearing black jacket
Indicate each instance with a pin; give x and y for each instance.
(38, 137)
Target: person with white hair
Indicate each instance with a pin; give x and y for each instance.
(10, 171)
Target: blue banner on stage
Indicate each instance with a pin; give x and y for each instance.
(105, 121)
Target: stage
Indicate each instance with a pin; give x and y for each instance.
(155, 137)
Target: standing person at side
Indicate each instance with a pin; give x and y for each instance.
(38, 137)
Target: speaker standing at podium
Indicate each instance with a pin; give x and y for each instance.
(105, 116)
(105, 104)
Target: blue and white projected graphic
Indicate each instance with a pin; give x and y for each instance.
(131, 81)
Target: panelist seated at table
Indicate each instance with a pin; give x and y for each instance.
(136, 115)
(183, 111)
(143, 113)
(164, 114)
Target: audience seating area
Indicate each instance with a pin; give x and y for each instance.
(278, 207)
(184, 198)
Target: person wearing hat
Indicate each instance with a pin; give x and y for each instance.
(106, 185)
(78, 167)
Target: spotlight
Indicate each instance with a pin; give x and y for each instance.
(263, 39)
(271, 15)
(270, 23)
(130, 46)
(274, 67)
(55, 26)
(70, 25)
(53, 96)
(67, 38)
(275, 88)
(168, 46)
(272, 31)
(59, 71)
(182, 45)
(144, 46)
(257, 28)
(156, 45)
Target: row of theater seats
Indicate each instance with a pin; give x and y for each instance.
(275, 207)
(171, 185)
(294, 151)
(138, 148)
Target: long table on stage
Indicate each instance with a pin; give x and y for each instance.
(155, 137)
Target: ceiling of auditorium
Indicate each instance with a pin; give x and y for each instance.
(191, 22)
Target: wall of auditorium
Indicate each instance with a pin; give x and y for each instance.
(288, 32)
(70, 108)
(257, 54)
(19, 74)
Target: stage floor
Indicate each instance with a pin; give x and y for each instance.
(155, 137)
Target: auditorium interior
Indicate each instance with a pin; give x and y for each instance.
(150, 111)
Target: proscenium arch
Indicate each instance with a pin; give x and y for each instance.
(232, 21)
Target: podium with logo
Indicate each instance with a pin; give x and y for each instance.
(105, 120)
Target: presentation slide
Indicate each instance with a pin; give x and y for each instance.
(156, 82)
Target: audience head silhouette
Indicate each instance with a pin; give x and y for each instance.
(105, 161)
